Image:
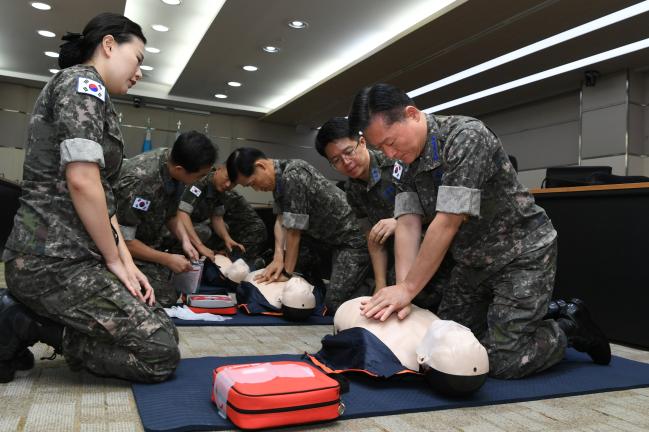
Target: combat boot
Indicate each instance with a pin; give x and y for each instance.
(554, 309)
(19, 329)
(582, 332)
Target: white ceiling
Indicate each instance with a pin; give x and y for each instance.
(210, 40)
(347, 44)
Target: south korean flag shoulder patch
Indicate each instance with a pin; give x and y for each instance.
(141, 204)
(91, 87)
(397, 171)
(196, 191)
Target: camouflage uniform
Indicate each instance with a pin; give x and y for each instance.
(147, 197)
(53, 266)
(505, 252)
(312, 204)
(202, 201)
(374, 200)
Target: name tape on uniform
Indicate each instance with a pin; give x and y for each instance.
(91, 87)
(196, 191)
(141, 204)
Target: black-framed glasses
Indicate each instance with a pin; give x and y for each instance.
(346, 154)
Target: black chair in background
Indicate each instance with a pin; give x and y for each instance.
(573, 175)
(9, 197)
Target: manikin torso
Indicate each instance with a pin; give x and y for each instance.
(401, 336)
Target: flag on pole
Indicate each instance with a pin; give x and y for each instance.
(146, 145)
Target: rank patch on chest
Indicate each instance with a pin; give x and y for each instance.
(141, 204)
(196, 191)
(397, 170)
(91, 87)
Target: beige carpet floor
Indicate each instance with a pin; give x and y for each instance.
(50, 398)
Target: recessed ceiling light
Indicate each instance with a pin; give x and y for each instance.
(297, 24)
(46, 33)
(271, 49)
(51, 54)
(54, 70)
(250, 68)
(146, 68)
(234, 84)
(160, 27)
(171, 2)
(41, 6)
(220, 96)
(152, 50)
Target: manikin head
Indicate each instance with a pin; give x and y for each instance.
(452, 359)
(298, 300)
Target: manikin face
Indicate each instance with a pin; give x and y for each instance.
(349, 157)
(121, 66)
(221, 180)
(262, 178)
(403, 140)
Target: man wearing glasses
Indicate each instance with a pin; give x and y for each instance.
(306, 204)
(460, 179)
(371, 193)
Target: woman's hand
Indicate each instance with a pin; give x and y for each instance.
(143, 282)
(126, 277)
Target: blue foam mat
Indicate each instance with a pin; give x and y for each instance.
(242, 319)
(183, 403)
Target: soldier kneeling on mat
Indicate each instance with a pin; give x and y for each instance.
(147, 200)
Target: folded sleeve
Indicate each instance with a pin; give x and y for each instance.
(295, 199)
(81, 150)
(80, 118)
(407, 203)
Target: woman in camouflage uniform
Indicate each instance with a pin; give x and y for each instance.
(72, 281)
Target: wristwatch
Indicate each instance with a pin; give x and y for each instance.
(287, 274)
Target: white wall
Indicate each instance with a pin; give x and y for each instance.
(547, 132)
(226, 131)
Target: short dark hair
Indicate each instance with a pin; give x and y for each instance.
(79, 47)
(242, 161)
(383, 99)
(333, 130)
(193, 151)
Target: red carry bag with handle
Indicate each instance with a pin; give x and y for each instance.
(211, 303)
(282, 393)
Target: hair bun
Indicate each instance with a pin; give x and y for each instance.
(70, 37)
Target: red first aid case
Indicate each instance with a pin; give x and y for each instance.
(264, 395)
(210, 303)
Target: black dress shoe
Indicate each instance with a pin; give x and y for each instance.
(582, 332)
